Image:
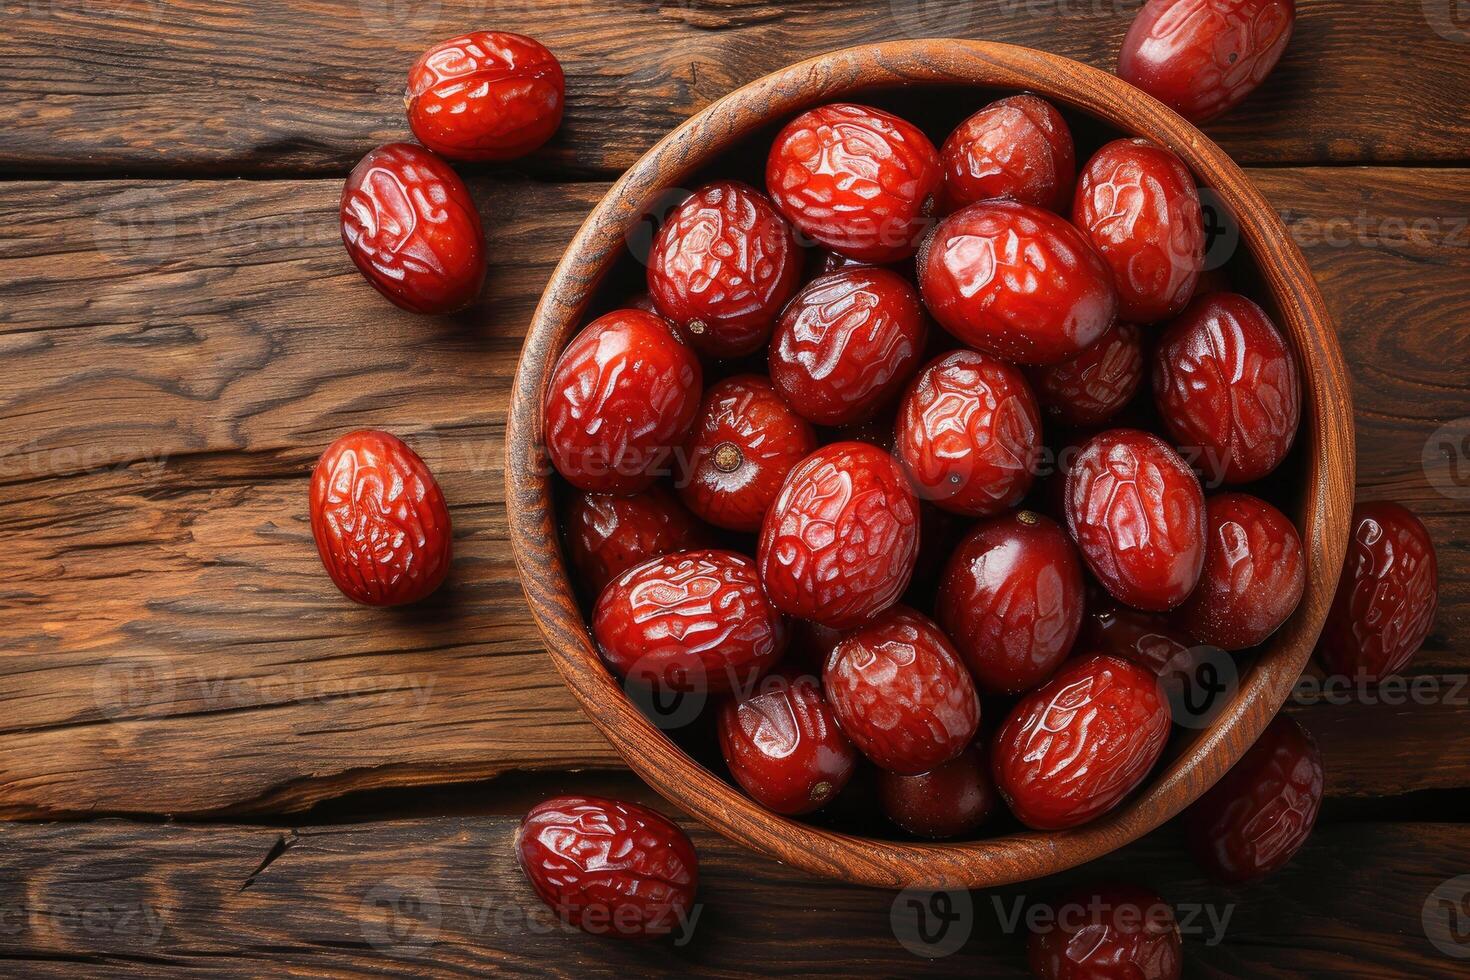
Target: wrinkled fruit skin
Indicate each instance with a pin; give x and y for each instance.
(969, 434)
(1095, 385)
(1018, 148)
(839, 543)
(1252, 821)
(1011, 599)
(745, 441)
(1203, 57)
(1137, 204)
(1386, 598)
(1255, 573)
(488, 95)
(858, 180)
(1073, 749)
(951, 800)
(609, 868)
(1016, 281)
(784, 747)
(624, 393)
(1108, 931)
(1227, 386)
(1137, 514)
(608, 535)
(379, 520)
(690, 621)
(412, 231)
(722, 267)
(901, 693)
(847, 344)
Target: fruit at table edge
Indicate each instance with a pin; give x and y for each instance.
(969, 434)
(1254, 575)
(1204, 57)
(722, 268)
(783, 744)
(858, 180)
(692, 621)
(1226, 385)
(1011, 601)
(1260, 813)
(901, 693)
(486, 95)
(410, 227)
(1137, 204)
(1018, 148)
(951, 800)
(380, 523)
(1074, 748)
(608, 867)
(839, 543)
(1386, 597)
(606, 535)
(1016, 281)
(622, 396)
(846, 344)
(1098, 383)
(1147, 552)
(1107, 931)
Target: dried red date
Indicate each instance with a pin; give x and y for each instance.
(608, 535)
(1095, 385)
(1107, 931)
(412, 231)
(1018, 148)
(609, 868)
(379, 520)
(951, 800)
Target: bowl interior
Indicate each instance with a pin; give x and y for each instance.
(935, 84)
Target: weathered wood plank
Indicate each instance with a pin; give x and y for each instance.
(444, 896)
(179, 352)
(199, 86)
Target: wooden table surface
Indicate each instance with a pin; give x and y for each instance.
(211, 760)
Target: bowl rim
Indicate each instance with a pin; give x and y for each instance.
(1322, 514)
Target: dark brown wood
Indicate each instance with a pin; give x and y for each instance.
(234, 86)
(417, 897)
(1322, 509)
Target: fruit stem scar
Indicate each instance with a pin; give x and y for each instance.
(697, 327)
(727, 457)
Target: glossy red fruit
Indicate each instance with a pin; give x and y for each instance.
(690, 621)
(1227, 387)
(1107, 931)
(1254, 575)
(1016, 281)
(1137, 203)
(1071, 750)
(1018, 148)
(624, 394)
(1203, 57)
(722, 267)
(1137, 513)
(1011, 599)
(855, 179)
(487, 95)
(607, 535)
(745, 441)
(1095, 385)
(1387, 596)
(839, 543)
(412, 231)
(847, 344)
(609, 868)
(901, 693)
(969, 434)
(783, 745)
(379, 520)
(951, 800)
(1251, 822)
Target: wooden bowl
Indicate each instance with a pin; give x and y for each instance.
(1324, 458)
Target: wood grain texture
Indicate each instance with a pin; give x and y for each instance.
(440, 896)
(309, 86)
(167, 396)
